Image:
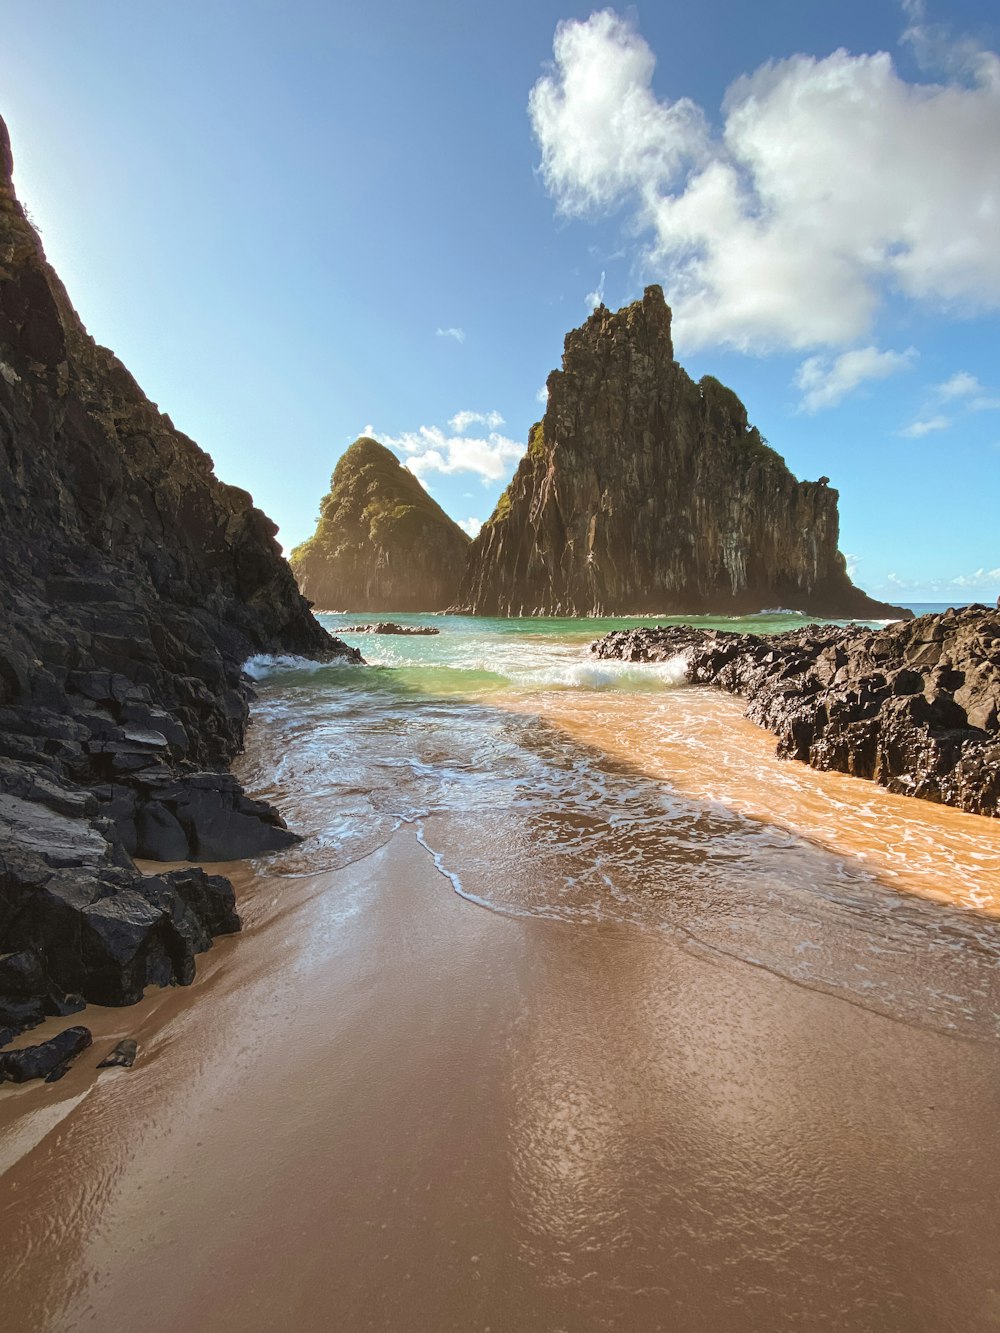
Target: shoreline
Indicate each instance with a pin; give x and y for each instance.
(394, 1107)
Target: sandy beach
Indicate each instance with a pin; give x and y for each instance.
(384, 1107)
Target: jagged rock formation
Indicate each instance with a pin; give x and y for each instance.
(381, 543)
(133, 585)
(914, 706)
(642, 491)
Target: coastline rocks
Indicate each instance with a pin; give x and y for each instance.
(123, 1055)
(133, 586)
(390, 627)
(48, 1060)
(381, 542)
(914, 706)
(642, 490)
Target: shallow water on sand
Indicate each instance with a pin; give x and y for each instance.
(576, 1010)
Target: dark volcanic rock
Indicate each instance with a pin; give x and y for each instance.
(390, 627)
(123, 1055)
(49, 1059)
(642, 491)
(382, 543)
(913, 706)
(133, 585)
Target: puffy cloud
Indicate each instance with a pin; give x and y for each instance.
(461, 421)
(543, 395)
(960, 385)
(457, 334)
(429, 449)
(831, 181)
(825, 381)
(471, 525)
(917, 429)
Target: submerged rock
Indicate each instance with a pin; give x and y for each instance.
(914, 705)
(381, 543)
(642, 491)
(133, 585)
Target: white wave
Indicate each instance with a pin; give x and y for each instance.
(604, 674)
(264, 665)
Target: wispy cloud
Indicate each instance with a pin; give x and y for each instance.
(429, 449)
(917, 429)
(461, 421)
(457, 334)
(543, 395)
(596, 297)
(754, 248)
(826, 381)
(980, 583)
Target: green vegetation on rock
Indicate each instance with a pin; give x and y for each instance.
(381, 542)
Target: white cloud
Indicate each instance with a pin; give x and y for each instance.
(981, 584)
(471, 526)
(853, 565)
(984, 404)
(960, 385)
(457, 334)
(917, 429)
(543, 395)
(429, 449)
(461, 421)
(831, 181)
(825, 381)
(596, 297)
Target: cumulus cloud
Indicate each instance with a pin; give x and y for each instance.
(917, 429)
(831, 181)
(471, 526)
(430, 449)
(461, 421)
(457, 334)
(960, 385)
(825, 381)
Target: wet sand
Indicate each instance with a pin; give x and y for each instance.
(383, 1107)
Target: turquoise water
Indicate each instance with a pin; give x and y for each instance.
(495, 745)
(480, 655)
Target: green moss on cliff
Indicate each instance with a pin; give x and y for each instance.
(378, 516)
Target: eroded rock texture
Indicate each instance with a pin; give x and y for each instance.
(642, 491)
(914, 706)
(382, 543)
(133, 585)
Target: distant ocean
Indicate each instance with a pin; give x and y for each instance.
(932, 608)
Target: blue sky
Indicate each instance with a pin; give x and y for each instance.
(297, 221)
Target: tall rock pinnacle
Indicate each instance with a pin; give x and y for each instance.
(642, 491)
(381, 543)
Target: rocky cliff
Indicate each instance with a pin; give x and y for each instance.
(381, 543)
(642, 491)
(133, 585)
(915, 706)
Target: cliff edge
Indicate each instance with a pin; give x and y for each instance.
(133, 585)
(642, 491)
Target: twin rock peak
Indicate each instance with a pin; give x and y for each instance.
(640, 491)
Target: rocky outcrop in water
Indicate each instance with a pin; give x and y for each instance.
(642, 491)
(914, 706)
(133, 585)
(390, 627)
(381, 543)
